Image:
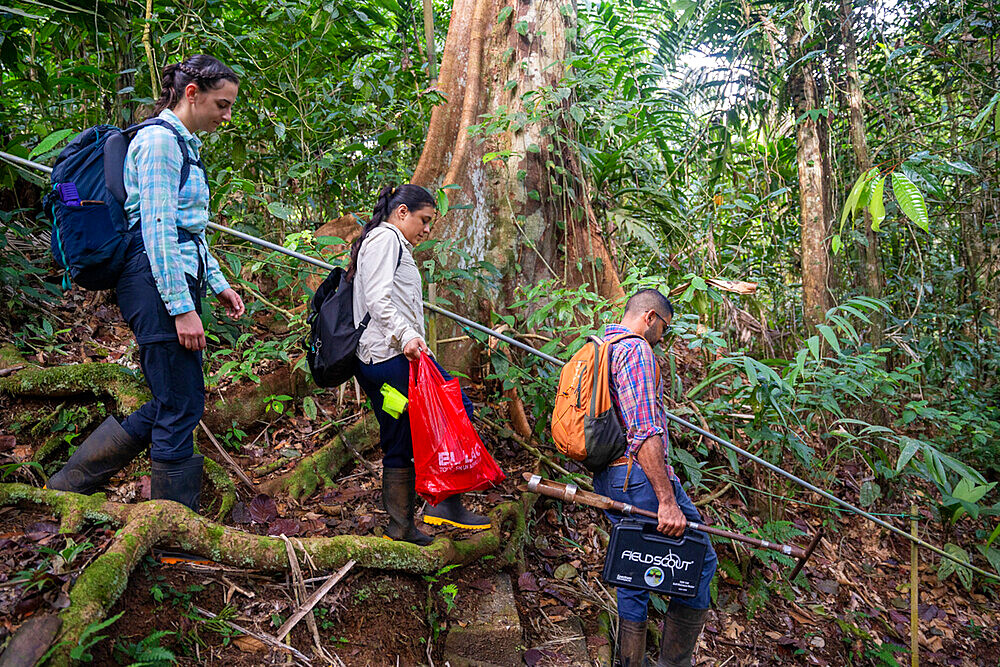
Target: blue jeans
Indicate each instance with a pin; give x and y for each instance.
(395, 437)
(172, 372)
(633, 604)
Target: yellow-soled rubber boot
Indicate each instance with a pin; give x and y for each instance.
(451, 512)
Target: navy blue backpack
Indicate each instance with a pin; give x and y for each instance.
(90, 230)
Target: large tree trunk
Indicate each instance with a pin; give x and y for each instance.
(815, 256)
(528, 211)
(871, 256)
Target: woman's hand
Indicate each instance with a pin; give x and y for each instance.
(190, 332)
(232, 301)
(414, 348)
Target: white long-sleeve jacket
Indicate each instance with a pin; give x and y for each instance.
(394, 297)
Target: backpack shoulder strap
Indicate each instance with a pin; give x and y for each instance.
(603, 352)
(186, 161)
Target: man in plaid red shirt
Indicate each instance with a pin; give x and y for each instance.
(643, 478)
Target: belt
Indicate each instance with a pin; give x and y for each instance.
(619, 462)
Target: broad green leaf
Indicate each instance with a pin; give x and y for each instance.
(870, 492)
(960, 167)
(751, 372)
(49, 142)
(990, 554)
(910, 200)
(309, 407)
(505, 12)
(522, 28)
(852, 199)
(876, 205)
(836, 244)
(830, 336)
(949, 566)
(280, 210)
(813, 343)
(911, 448)
(442, 201)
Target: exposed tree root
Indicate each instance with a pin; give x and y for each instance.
(147, 524)
(319, 468)
(102, 380)
(224, 484)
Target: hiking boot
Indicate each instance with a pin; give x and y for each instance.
(105, 451)
(631, 643)
(399, 496)
(452, 512)
(177, 480)
(681, 630)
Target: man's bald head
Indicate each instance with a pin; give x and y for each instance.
(648, 314)
(649, 299)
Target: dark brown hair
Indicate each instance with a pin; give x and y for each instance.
(413, 196)
(206, 72)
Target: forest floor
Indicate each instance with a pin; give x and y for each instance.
(854, 608)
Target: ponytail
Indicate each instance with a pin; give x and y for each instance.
(206, 72)
(389, 199)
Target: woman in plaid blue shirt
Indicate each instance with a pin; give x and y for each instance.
(160, 290)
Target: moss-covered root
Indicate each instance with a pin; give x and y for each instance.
(99, 379)
(319, 468)
(230, 546)
(63, 503)
(226, 545)
(224, 484)
(146, 524)
(9, 356)
(104, 580)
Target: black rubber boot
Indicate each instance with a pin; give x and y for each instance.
(105, 451)
(681, 630)
(452, 512)
(631, 643)
(399, 495)
(177, 480)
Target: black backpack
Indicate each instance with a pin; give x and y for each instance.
(87, 202)
(333, 338)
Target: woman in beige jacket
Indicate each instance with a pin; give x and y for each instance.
(387, 284)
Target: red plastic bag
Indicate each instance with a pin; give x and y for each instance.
(447, 453)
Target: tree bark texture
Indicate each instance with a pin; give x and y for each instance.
(528, 211)
(815, 254)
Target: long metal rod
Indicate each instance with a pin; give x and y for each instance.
(21, 162)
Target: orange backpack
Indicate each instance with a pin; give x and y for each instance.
(585, 424)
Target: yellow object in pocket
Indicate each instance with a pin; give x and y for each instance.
(393, 402)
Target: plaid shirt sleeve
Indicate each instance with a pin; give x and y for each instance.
(639, 397)
(213, 273)
(158, 162)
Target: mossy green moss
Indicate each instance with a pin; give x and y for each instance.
(224, 485)
(49, 448)
(10, 356)
(98, 379)
(323, 465)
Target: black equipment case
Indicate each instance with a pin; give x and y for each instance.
(640, 557)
